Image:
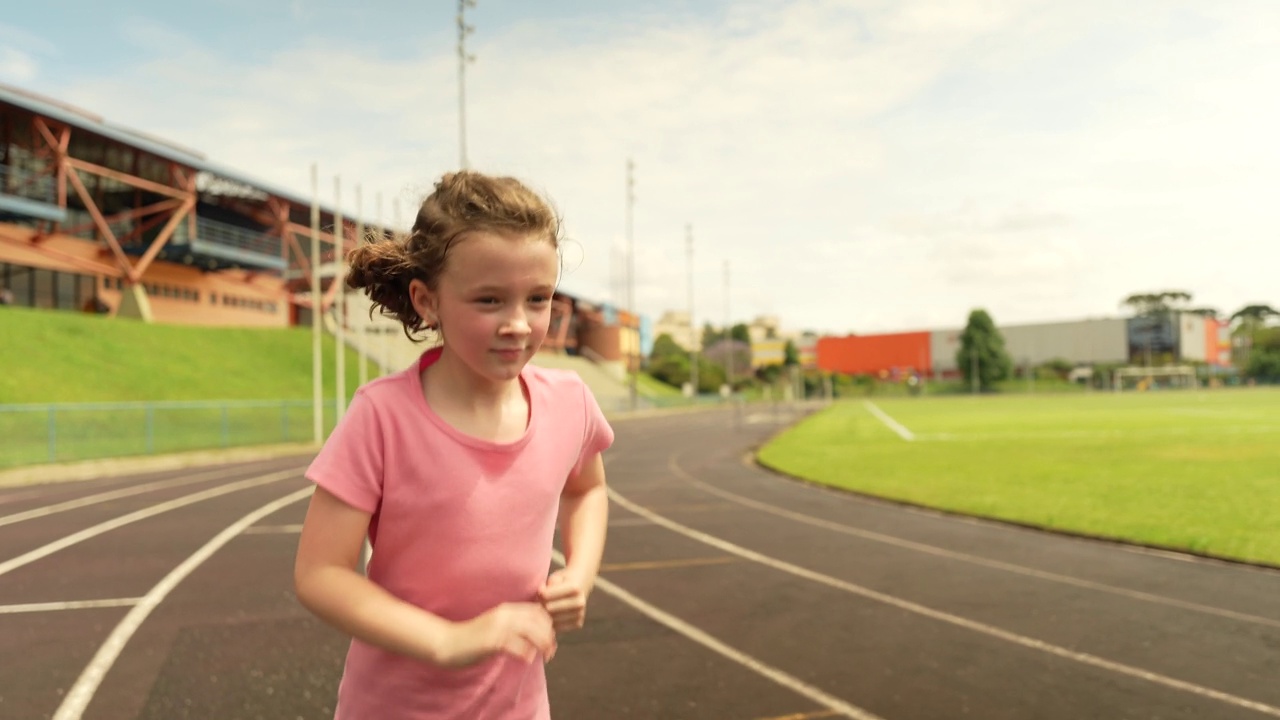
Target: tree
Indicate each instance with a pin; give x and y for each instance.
(982, 351)
(1252, 336)
(741, 333)
(1264, 357)
(1157, 304)
(666, 346)
(1254, 316)
(790, 354)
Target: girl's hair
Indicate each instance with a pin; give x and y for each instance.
(462, 202)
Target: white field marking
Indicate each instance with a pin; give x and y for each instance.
(1125, 433)
(273, 529)
(894, 425)
(71, 605)
(675, 468)
(702, 638)
(114, 495)
(137, 515)
(983, 628)
(81, 693)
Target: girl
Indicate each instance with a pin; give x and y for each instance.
(455, 469)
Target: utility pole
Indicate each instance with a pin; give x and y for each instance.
(339, 303)
(364, 319)
(317, 364)
(693, 327)
(631, 283)
(973, 366)
(463, 58)
(728, 333)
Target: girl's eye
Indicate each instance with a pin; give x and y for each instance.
(487, 300)
(539, 299)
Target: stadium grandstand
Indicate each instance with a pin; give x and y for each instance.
(99, 218)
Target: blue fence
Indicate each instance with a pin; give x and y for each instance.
(35, 434)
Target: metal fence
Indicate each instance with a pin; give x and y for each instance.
(35, 434)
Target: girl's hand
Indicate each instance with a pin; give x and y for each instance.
(520, 629)
(564, 596)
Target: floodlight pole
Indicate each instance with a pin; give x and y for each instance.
(339, 303)
(317, 363)
(364, 319)
(728, 333)
(463, 58)
(973, 365)
(693, 328)
(633, 361)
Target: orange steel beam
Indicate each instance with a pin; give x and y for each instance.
(303, 263)
(163, 238)
(58, 145)
(128, 179)
(103, 227)
(87, 265)
(306, 230)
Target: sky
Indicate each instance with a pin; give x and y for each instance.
(861, 166)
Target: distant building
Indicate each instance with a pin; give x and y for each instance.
(676, 324)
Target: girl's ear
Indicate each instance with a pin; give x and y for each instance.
(425, 303)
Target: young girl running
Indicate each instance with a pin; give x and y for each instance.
(455, 468)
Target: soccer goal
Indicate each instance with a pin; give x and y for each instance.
(1177, 377)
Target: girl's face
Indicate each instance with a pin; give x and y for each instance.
(492, 301)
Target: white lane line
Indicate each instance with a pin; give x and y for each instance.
(114, 495)
(983, 628)
(894, 425)
(273, 529)
(81, 693)
(680, 472)
(702, 638)
(70, 605)
(144, 513)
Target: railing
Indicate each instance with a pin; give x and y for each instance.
(34, 434)
(254, 241)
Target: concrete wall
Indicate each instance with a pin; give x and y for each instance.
(1081, 341)
(1192, 338)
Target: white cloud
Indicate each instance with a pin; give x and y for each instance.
(866, 165)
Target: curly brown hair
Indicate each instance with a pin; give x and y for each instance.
(462, 202)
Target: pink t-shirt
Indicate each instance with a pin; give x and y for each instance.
(460, 525)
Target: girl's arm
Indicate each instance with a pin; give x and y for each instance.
(328, 585)
(584, 511)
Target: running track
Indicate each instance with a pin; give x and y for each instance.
(727, 594)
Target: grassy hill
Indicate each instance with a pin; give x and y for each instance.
(51, 356)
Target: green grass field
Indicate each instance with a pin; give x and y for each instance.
(1192, 470)
(52, 356)
(59, 357)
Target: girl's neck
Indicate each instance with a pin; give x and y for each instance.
(451, 381)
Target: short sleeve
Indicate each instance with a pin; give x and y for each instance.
(350, 463)
(597, 435)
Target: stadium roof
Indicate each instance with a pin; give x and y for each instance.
(75, 117)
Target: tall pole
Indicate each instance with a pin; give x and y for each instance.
(317, 364)
(728, 334)
(973, 367)
(693, 327)
(463, 58)
(339, 303)
(364, 318)
(633, 361)
(382, 236)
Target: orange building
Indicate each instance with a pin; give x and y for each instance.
(875, 354)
